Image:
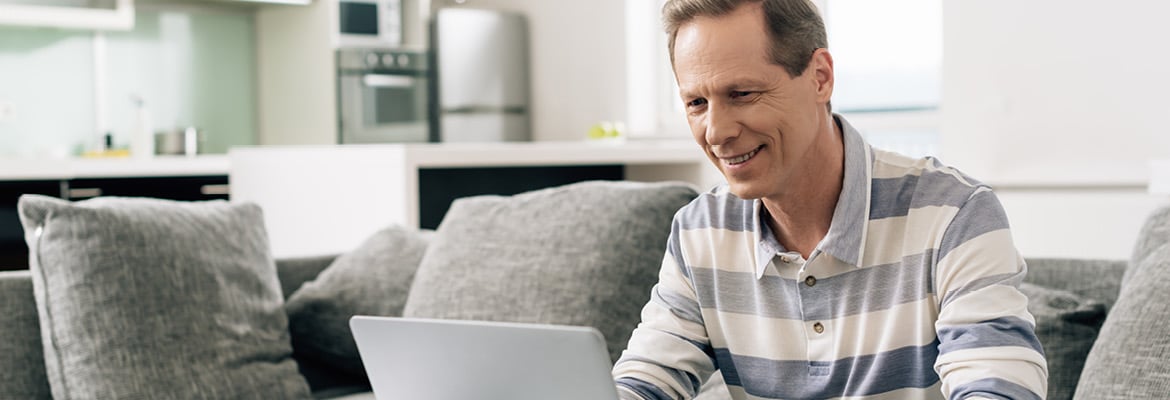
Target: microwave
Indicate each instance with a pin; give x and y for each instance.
(369, 23)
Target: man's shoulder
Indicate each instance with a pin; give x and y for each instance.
(715, 208)
(921, 176)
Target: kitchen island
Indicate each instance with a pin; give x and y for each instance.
(327, 199)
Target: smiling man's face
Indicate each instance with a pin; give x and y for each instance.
(759, 125)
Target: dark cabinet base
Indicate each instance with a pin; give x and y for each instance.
(14, 252)
(438, 187)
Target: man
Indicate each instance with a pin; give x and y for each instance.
(824, 268)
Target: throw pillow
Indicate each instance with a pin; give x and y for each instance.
(1066, 325)
(1129, 359)
(154, 299)
(373, 279)
(584, 254)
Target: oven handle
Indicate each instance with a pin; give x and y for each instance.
(387, 81)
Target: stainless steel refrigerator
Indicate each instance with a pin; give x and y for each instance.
(482, 76)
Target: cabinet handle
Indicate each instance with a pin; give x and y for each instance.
(215, 190)
(82, 193)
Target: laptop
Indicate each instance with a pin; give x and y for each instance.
(426, 359)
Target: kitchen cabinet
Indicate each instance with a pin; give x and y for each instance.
(184, 188)
(71, 14)
(14, 251)
(328, 199)
(175, 178)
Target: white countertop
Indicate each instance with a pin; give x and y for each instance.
(435, 155)
(443, 155)
(14, 169)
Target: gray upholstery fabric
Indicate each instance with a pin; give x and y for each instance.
(582, 254)
(1099, 280)
(21, 362)
(1067, 325)
(371, 280)
(294, 272)
(1131, 359)
(144, 298)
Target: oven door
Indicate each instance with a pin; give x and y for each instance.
(383, 108)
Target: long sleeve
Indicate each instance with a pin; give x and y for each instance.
(987, 342)
(669, 355)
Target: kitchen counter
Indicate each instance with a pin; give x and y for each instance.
(327, 199)
(455, 155)
(15, 169)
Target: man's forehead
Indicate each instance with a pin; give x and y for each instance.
(739, 36)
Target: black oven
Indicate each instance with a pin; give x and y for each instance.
(383, 96)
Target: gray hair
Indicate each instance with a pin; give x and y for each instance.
(794, 27)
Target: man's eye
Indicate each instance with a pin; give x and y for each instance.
(739, 94)
(696, 102)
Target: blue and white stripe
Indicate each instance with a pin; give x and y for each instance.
(915, 288)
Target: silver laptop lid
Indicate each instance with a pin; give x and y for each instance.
(423, 359)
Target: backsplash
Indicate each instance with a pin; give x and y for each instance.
(191, 67)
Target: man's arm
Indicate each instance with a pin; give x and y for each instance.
(987, 342)
(669, 355)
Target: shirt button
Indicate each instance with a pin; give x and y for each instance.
(811, 280)
(818, 328)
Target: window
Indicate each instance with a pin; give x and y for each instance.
(887, 59)
(888, 63)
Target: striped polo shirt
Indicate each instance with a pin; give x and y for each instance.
(912, 294)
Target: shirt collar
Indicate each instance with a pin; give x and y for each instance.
(847, 231)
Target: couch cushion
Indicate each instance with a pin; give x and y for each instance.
(1095, 279)
(583, 254)
(1066, 325)
(144, 298)
(373, 279)
(1131, 358)
(21, 359)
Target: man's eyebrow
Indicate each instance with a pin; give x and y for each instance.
(727, 87)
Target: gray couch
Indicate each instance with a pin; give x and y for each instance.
(1075, 302)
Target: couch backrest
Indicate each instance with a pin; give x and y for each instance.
(21, 356)
(294, 272)
(1094, 279)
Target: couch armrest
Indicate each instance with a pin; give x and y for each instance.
(21, 357)
(1096, 279)
(294, 272)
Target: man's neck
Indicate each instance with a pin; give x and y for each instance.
(800, 218)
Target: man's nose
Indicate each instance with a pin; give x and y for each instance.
(722, 126)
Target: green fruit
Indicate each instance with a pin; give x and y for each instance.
(597, 132)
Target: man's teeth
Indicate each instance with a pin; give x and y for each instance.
(744, 157)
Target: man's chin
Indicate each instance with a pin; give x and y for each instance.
(745, 191)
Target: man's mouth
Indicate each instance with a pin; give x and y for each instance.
(743, 158)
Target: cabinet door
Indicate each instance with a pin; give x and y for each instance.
(186, 188)
(439, 187)
(13, 251)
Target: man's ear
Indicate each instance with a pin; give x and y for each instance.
(821, 67)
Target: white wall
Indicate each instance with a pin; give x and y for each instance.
(296, 74)
(578, 62)
(1060, 105)
(1077, 222)
(1056, 89)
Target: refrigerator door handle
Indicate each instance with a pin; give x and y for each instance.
(484, 109)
